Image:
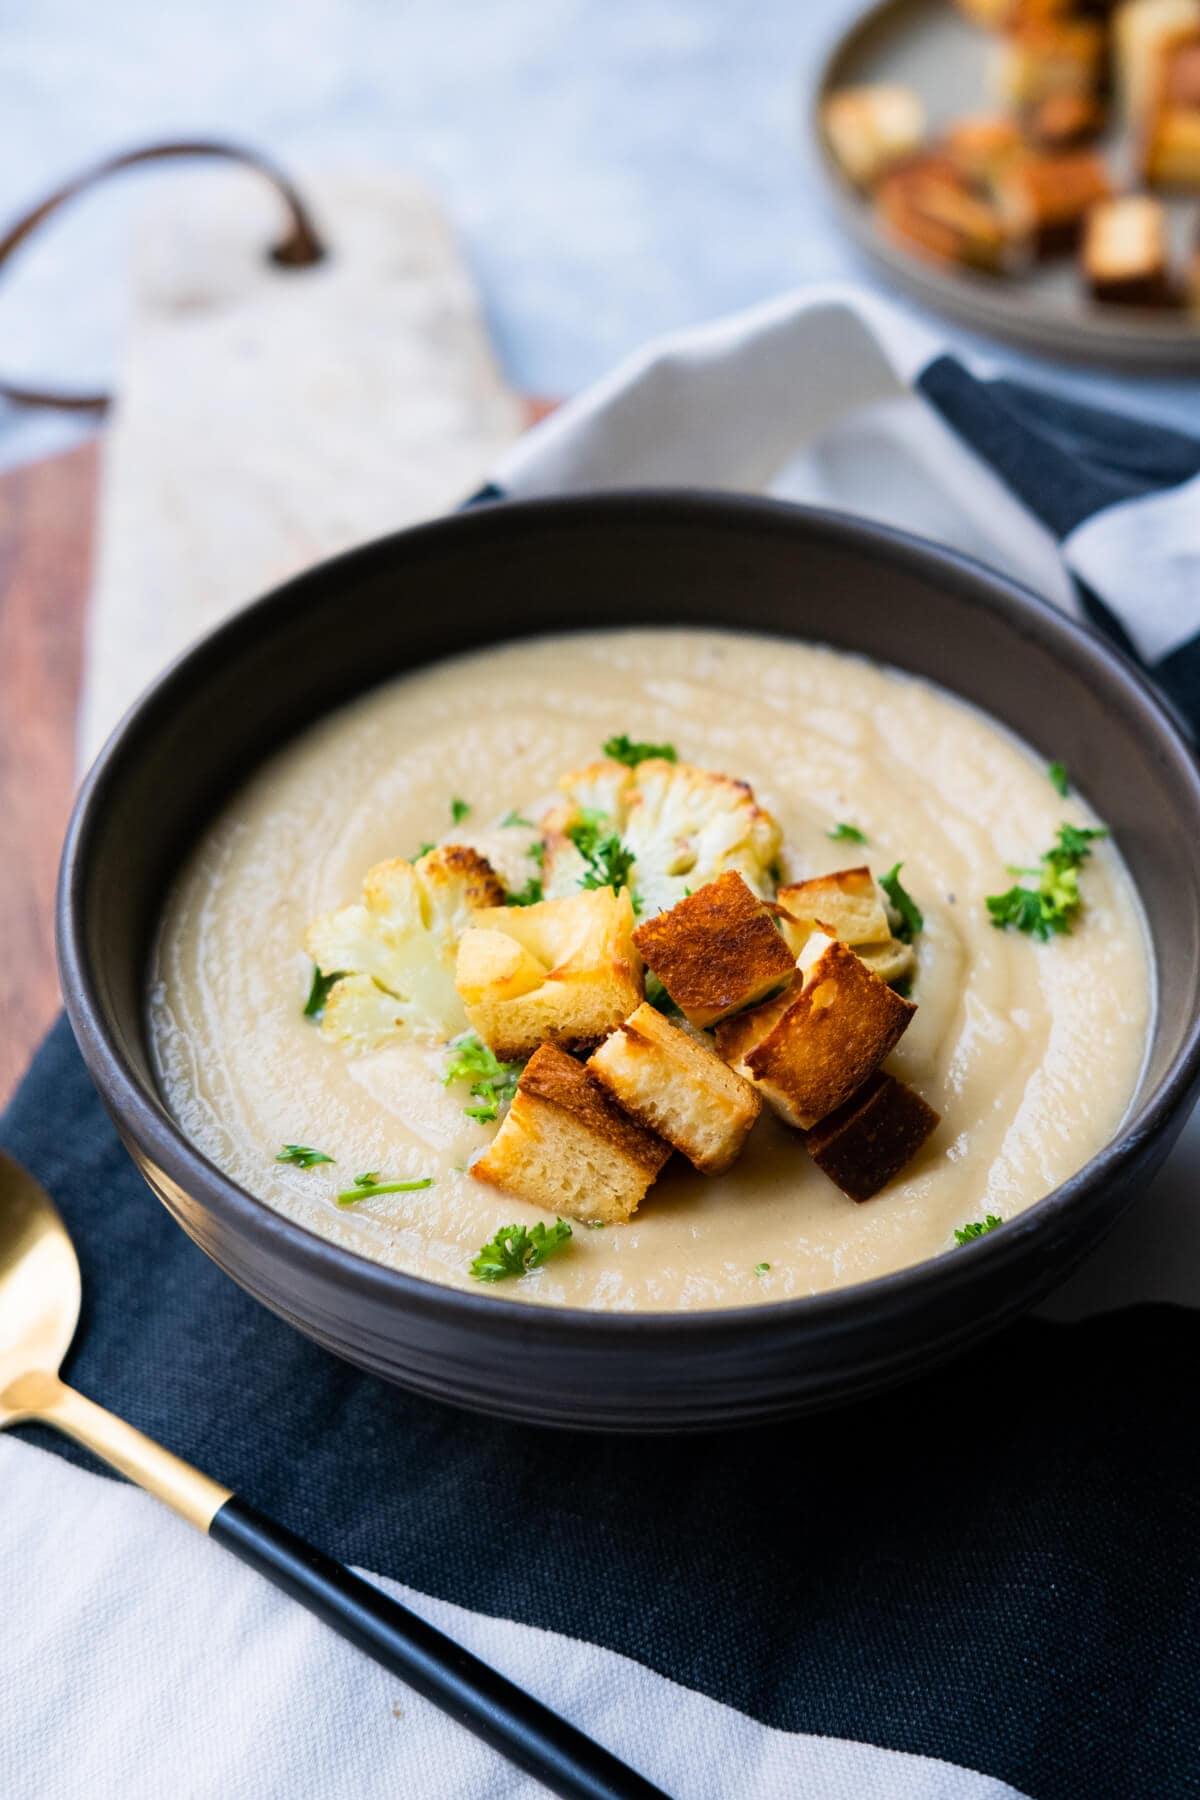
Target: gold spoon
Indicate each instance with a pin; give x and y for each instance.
(39, 1310)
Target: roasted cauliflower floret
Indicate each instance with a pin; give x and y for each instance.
(683, 826)
(395, 948)
(561, 971)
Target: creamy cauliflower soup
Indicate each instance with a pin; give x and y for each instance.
(356, 1098)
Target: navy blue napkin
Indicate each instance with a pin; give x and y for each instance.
(996, 1566)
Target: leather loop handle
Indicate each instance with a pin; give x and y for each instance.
(298, 248)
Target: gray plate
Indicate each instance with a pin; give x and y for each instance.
(928, 46)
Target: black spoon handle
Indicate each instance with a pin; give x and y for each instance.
(511, 1721)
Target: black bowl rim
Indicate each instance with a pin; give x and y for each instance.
(272, 1233)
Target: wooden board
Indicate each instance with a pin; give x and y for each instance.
(47, 514)
(46, 517)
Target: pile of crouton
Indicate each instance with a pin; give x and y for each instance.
(1001, 192)
(563, 979)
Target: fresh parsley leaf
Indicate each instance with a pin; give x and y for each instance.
(847, 834)
(976, 1229)
(516, 1249)
(492, 1082)
(459, 810)
(537, 852)
(423, 850)
(912, 919)
(366, 1185)
(302, 1156)
(762, 1268)
(608, 861)
(1052, 906)
(529, 895)
(1058, 778)
(318, 993)
(515, 818)
(622, 749)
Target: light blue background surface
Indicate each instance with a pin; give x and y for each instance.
(614, 169)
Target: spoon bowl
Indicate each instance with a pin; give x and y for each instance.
(39, 1288)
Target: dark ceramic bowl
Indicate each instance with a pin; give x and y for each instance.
(510, 570)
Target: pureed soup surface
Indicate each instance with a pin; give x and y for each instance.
(1030, 1051)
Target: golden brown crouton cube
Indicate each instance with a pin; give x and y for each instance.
(563, 971)
(870, 127)
(930, 205)
(677, 1087)
(1171, 143)
(830, 1031)
(848, 905)
(716, 951)
(1125, 252)
(566, 1145)
(1045, 199)
(981, 145)
(1143, 31)
(1042, 59)
(865, 1143)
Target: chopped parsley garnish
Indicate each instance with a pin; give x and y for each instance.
(912, 919)
(537, 852)
(608, 861)
(459, 810)
(516, 1249)
(762, 1268)
(492, 1081)
(302, 1156)
(847, 834)
(516, 818)
(368, 1184)
(1051, 906)
(622, 749)
(1058, 778)
(976, 1229)
(423, 850)
(318, 993)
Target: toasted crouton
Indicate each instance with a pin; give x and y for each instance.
(979, 145)
(866, 1142)
(566, 1145)
(848, 904)
(931, 205)
(1042, 59)
(677, 1087)
(716, 951)
(1171, 142)
(562, 971)
(811, 1049)
(1142, 31)
(870, 127)
(1045, 199)
(1125, 252)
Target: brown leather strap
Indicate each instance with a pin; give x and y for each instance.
(298, 248)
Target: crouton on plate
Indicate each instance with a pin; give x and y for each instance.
(1142, 32)
(677, 1087)
(932, 205)
(872, 1136)
(811, 1049)
(872, 126)
(716, 951)
(562, 971)
(1171, 143)
(1125, 252)
(1045, 198)
(567, 1145)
